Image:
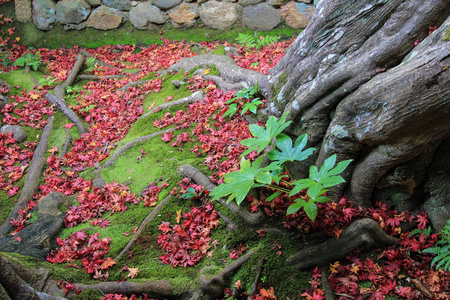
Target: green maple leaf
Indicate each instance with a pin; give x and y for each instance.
(238, 184)
(289, 153)
(263, 136)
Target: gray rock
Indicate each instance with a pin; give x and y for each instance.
(166, 4)
(437, 186)
(44, 14)
(184, 15)
(118, 4)
(38, 239)
(277, 3)
(94, 3)
(249, 2)
(72, 11)
(23, 10)
(261, 17)
(297, 15)
(80, 26)
(19, 133)
(218, 15)
(143, 15)
(98, 182)
(105, 18)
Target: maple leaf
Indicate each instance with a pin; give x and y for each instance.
(334, 266)
(35, 96)
(238, 285)
(109, 262)
(133, 272)
(267, 294)
(69, 125)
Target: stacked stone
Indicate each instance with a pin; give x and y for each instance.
(260, 15)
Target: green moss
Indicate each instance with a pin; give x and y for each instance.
(447, 34)
(219, 51)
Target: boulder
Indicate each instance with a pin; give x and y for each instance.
(166, 4)
(143, 15)
(261, 17)
(218, 15)
(19, 133)
(184, 15)
(72, 11)
(277, 3)
(297, 15)
(105, 18)
(38, 238)
(23, 10)
(94, 3)
(118, 4)
(249, 2)
(44, 14)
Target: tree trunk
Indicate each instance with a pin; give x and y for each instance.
(355, 81)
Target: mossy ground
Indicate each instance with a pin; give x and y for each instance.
(160, 164)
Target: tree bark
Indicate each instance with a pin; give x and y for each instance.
(355, 81)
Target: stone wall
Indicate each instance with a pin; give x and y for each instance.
(260, 15)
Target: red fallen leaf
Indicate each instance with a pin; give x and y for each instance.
(69, 125)
(125, 234)
(261, 233)
(167, 137)
(18, 238)
(109, 262)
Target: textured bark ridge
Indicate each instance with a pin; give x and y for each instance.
(357, 84)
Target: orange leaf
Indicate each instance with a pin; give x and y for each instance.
(178, 216)
(133, 272)
(333, 267)
(109, 262)
(238, 285)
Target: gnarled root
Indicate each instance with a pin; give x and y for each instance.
(213, 288)
(154, 289)
(200, 178)
(363, 233)
(34, 174)
(131, 144)
(61, 104)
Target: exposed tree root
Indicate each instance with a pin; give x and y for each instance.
(328, 291)
(35, 170)
(230, 225)
(361, 234)
(66, 142)
(230, 72)
(67, 111)
(197, 96)
(200, 178)
(258, 271)
(60, 90)
(131, 144)
(15, 287)
(154, 289)
(144, 223)
(97, 78)
(213, 288)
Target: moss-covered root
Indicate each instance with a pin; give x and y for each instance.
(213, 288)
(131, 144)
(67, 111)
(200, 178)
(361, 234)
(229, 70)
(97, 78)
(16, 288)
(66, 142)
(153, 289)
(35, 170)
(144, 223)
(197, 96)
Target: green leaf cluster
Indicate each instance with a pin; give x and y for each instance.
(29, 59)
(238, 184)
(441, 249)
(4, 58)
(256, 41)
(246, 95)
